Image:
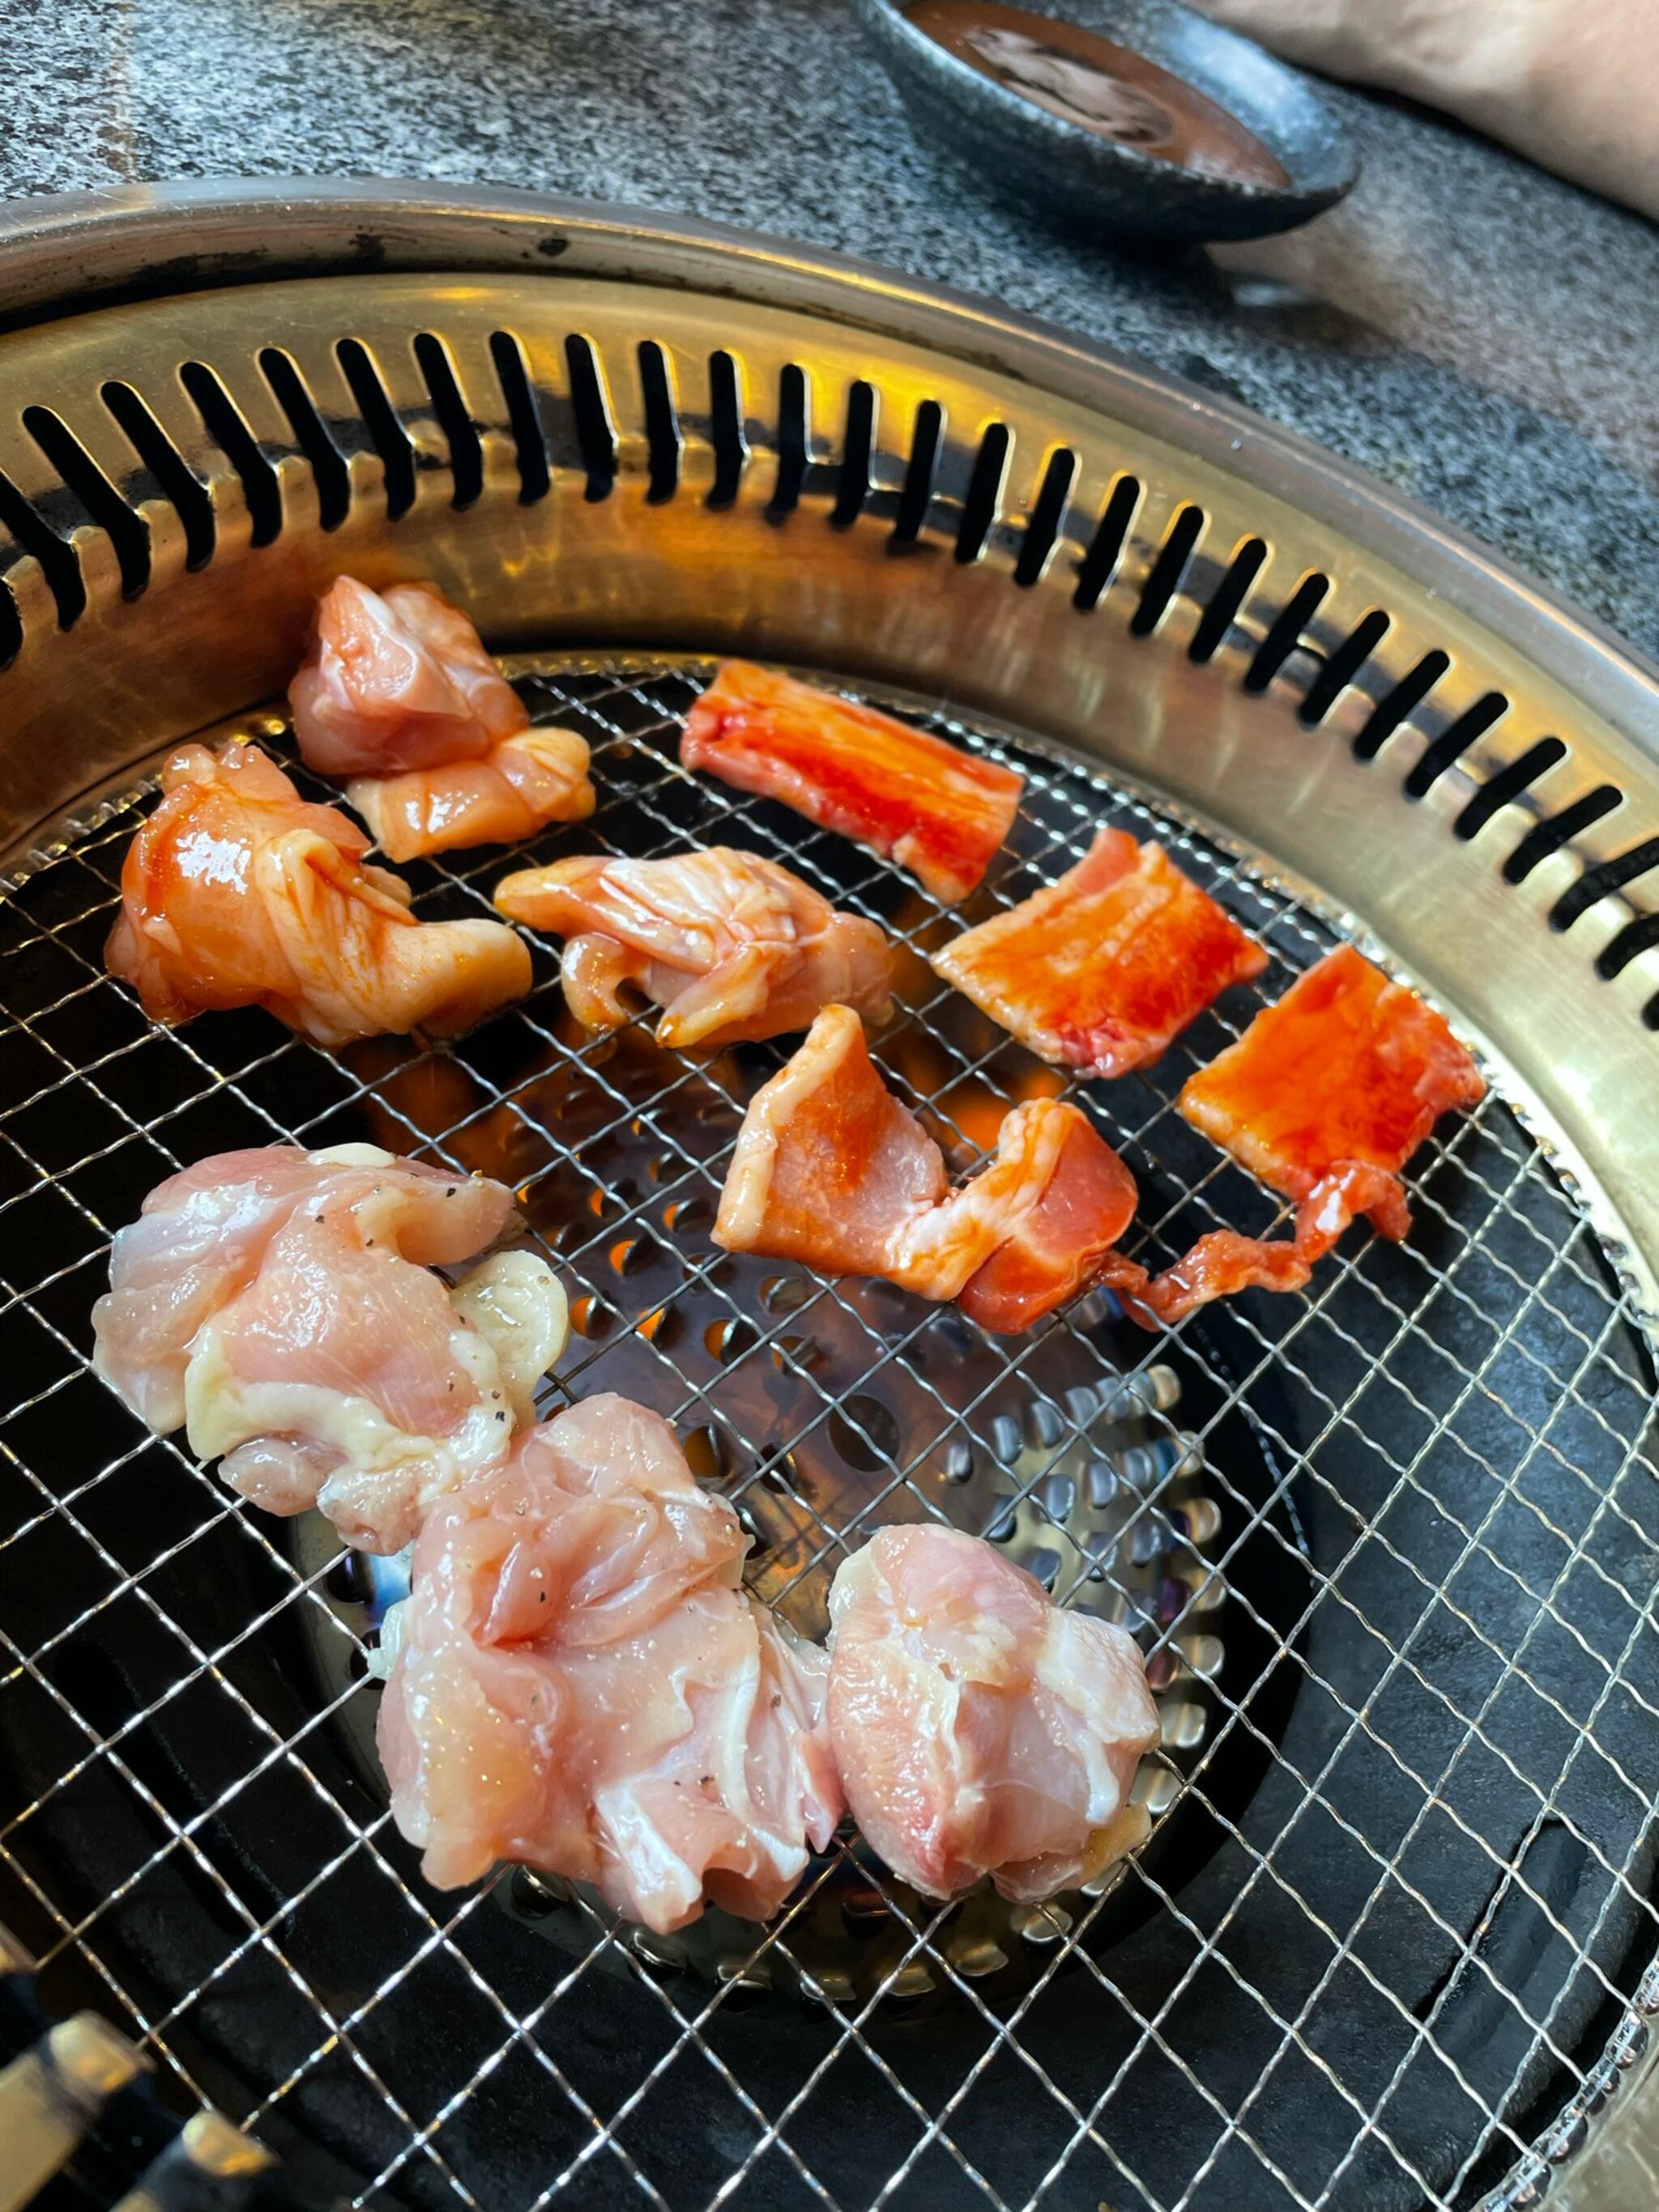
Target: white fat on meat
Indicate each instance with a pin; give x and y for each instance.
(578, 1682)
(281, 1306)
(979, 1728)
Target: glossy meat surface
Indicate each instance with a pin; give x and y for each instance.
(398, 694)
(237, 892)
(909, 796)
(394, 680)
(1099, 970)
(1347, 1067)
(280, 1305)
(538, 776)
(830, 1168)
(579, 1683)
(978, 1728)
(1225, 1261)
(732, 947)
(1325, 1097)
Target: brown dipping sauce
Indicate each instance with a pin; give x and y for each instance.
(1101, 88)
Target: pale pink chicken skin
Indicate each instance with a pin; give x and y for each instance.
(577, 1682)
(397, 679)
(979, 1728)
(734, 947)
(830, 1168)
(398, 694)
(280, 1305)
(237, 892)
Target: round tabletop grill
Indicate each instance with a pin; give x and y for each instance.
(1389, 1548)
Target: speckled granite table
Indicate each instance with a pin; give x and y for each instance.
(1478, 333)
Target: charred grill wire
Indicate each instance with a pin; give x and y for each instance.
(1387, 1546)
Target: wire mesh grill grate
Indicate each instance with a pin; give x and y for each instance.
(1390, 1548)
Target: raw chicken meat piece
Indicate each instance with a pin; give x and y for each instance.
(1325, 1097)
(734, 947)
(578, 1682)
(398, 694)
(831, 1168)
(1100, 969)
(280, 1305)
(237, 892)
(536, 777)
(397, 679)
(939, 812)
(978, 1728)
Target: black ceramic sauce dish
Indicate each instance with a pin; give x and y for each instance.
(1140, 122)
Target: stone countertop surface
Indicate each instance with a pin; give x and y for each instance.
(1478, 333)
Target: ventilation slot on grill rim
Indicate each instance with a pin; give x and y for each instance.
(127, 531)
(57, 559)
(662, 429)
(175, 481)
(1284, 633)
(1099, 564)
(387, 434)
(794, 433)
(1509, 783)
(1398, 703)
(1639, 936)
(1453, 741)
(329, 468)
(524, 417)
(1343, 665)
(1227, 597)
(1163, 581)
(461, 434)
(223, 421)
(1556, 830)
(982, 500)
(596, 432)
(858, 445)
(1601, 881)
(725, 429)
(1048, 514)
(923, 466)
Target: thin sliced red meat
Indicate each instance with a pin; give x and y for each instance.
(908, 795)
(1101, 968)
(831, 1168)
(1325, 1097)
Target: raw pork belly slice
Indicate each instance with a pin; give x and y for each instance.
(1325, 1097)
(980, 1729)
(578, 1682)
(734, 947)
(1099, 970)
(279, 1305)
(398, 694)
(909, 796)
(237, 892)
(831, 1168)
